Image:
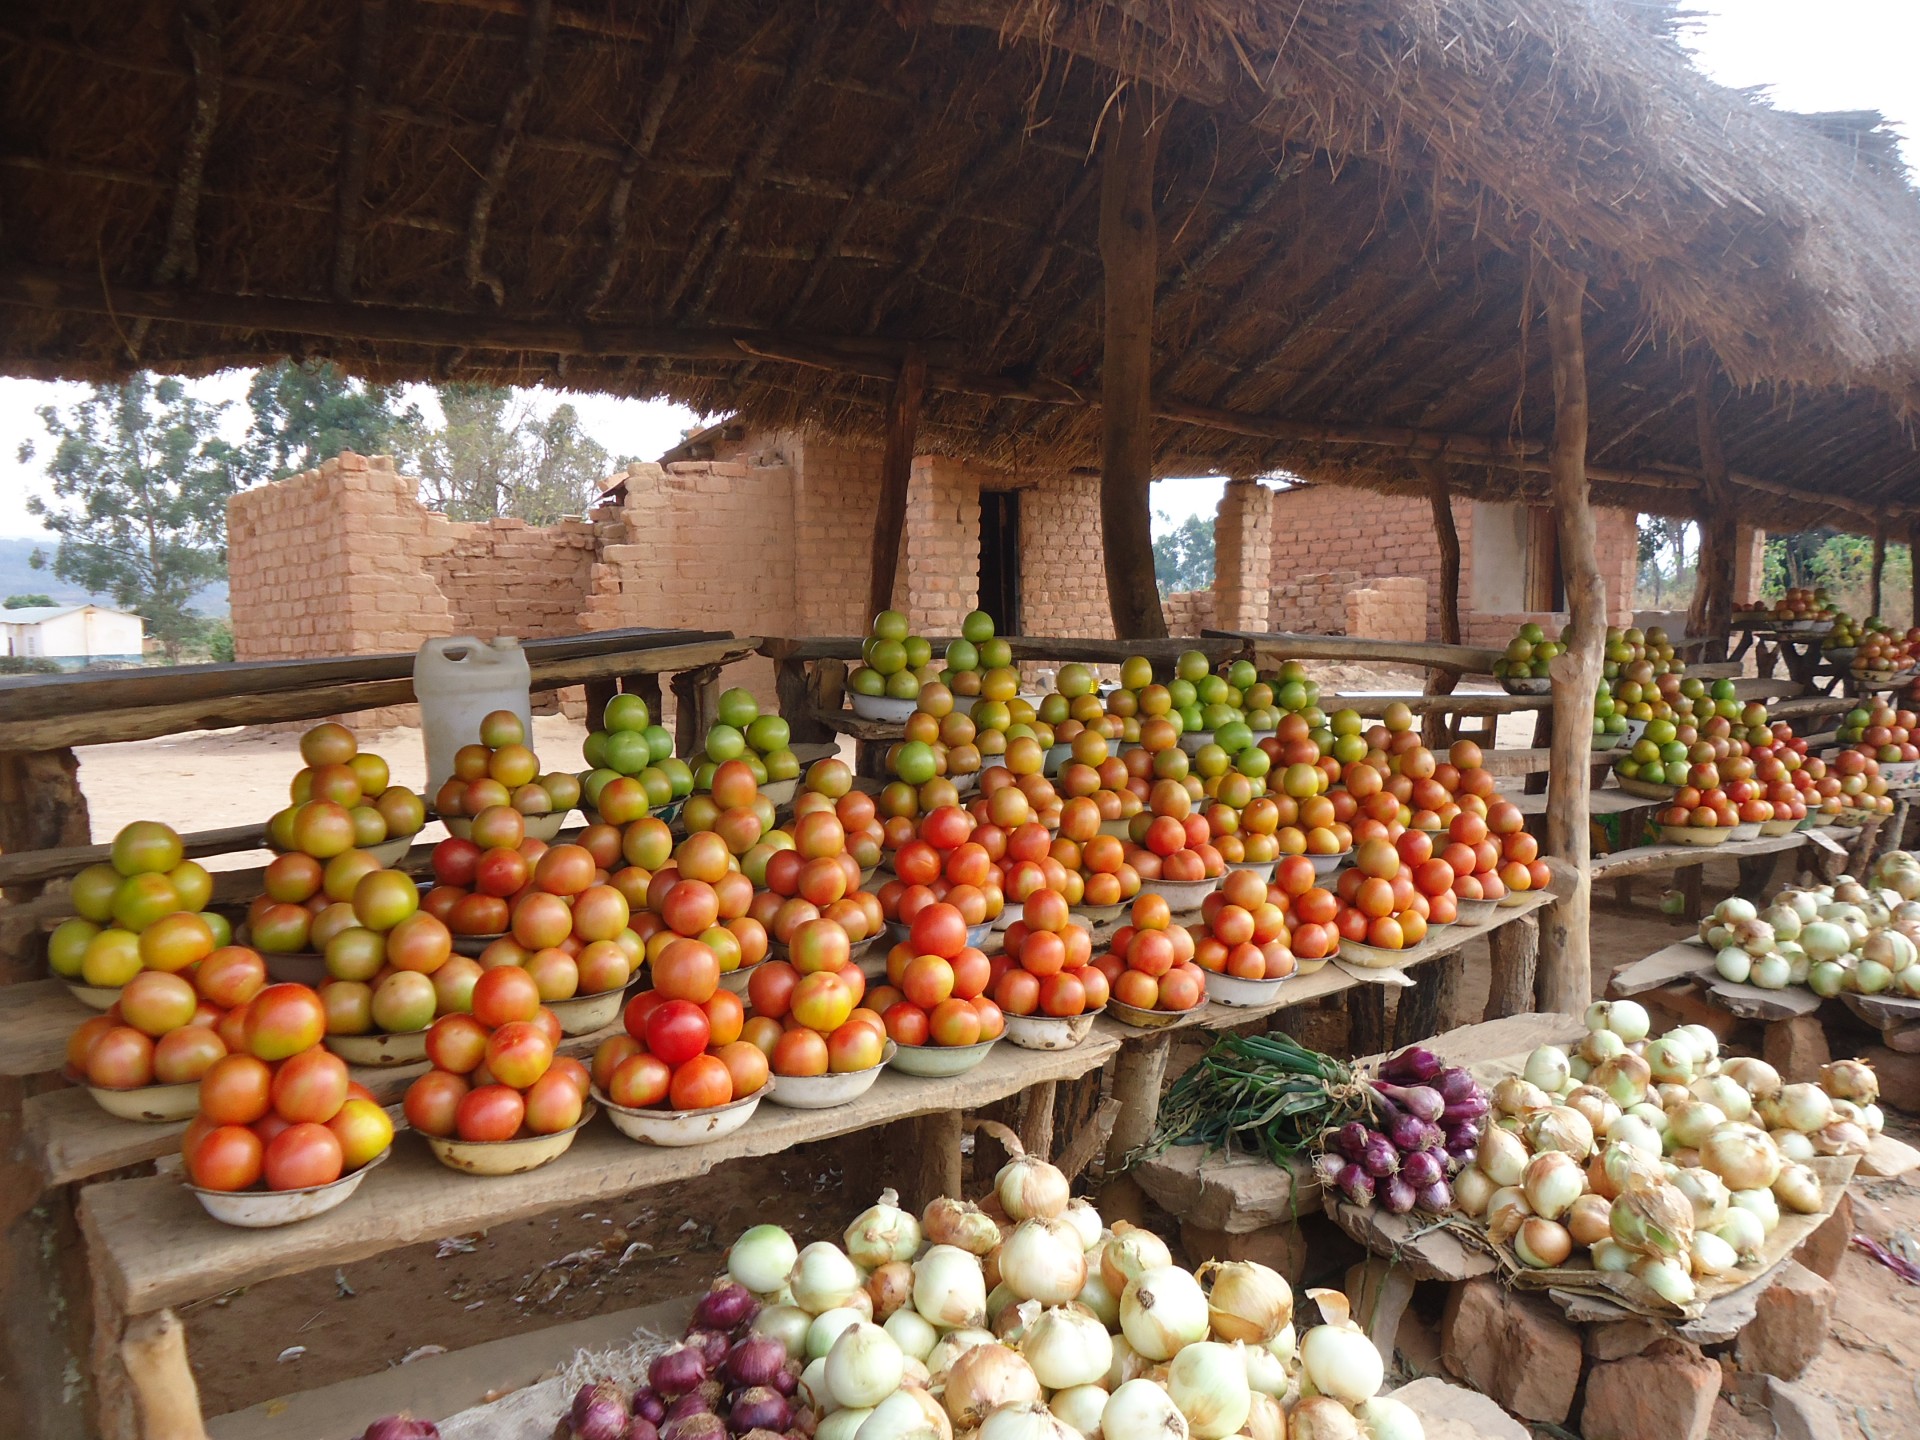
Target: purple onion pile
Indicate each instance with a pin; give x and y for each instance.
(1426, 1121)
(401, 1427)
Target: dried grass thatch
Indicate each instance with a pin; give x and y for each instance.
(1354, 200)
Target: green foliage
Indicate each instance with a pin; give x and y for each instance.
(216, 641)
(1843, 565)
(25, 602)
(1183, 556)
(1666, 574)
(494, 457)
(308, 412)
(141, 480)
(28, 665)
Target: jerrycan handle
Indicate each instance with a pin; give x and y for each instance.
(456, 649)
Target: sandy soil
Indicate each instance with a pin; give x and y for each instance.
(321, 1327)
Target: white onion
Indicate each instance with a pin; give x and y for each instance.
(826, 1328)
(1029, 1187)
(1265, 1419)
(1506, 1208)
(1594, 1103)
(1086, 1221)
(912, 1333)
(1385, 1418)
(1798, 1188)
(1266, 1371)
(1804, 1107)
(985, 1377)
(1599, 1045)
(1044, 1260)
(762, 1258)
(950, 1347)
(949, 1288)
(1612, 1258)
(813, 1386)
(910, 1413)
(1162, 1311)
(1126, 1364)
(1626, 1018)
(1129, 1252)
(1141, 1410)
(786, 1323)
(864, 1366)
(1725, 1092)
(1027, 1421)
(1743, 1231)
(1516, 1096)
(1547, 1068)
(883, 1232)
(1671, 1059)
(1706, 1044)
(1542, 1244)
(1708, 1193)
(1689, 1124)
(1635, 1134)
(1761, 1203)
(841, 1425)
(1654, 1114)
(1209, 1384)
(1741, 1155)
(1501, 1156)
(1671, 1280)
(1067, 1347)
(1471, 1191)
(1756, 1077)
(1098, 1298)
(1245, 1300)
(1080, 1408)
(947, 1221)
(1712, 1255)
(1589, 1221)
(1283, 1345)
(823, 1278)
(1552, 1182)
(1337, 1357)
(1318, 1417)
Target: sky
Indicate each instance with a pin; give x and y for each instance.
(1810, 54)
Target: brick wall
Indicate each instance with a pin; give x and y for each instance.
(1393, 607)
(1189, 612)
(1242, 556)
(506, 577)
(938, 580)
(1063, 576)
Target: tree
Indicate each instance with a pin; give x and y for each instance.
(1183, 556)
(493, 456)
(140, 482)
(308, 412)
(25, 602)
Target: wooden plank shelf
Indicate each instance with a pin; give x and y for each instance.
(1645, 858)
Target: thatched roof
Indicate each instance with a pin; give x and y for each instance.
(1355, 198)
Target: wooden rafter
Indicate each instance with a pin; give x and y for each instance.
(619, 200)
(1359, 349)
(1043, 254)
(200, 22)
(506, 140)
(350, 189)
(713, 243)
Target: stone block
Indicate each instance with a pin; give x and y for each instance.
(1823, 1250)
(1618, 1339)
(1278, 1247)
(1664, 1393)
(1797, 1048)
(1513, 1348)
(1800, 1414)
(1789, 1326)
(1899, 1077)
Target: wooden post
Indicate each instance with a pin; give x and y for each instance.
(1564, 982)
(1036, 1119)
(1514, 951)
(1447, 536)
(1913, 563)
(1137, 1076)
(1879, 564)
(896, 471)
(1711, 613)
(1129, 258)
(1367, 1032)
(935, 1157)
(696, 698)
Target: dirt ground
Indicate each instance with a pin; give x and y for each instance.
(317, 1328)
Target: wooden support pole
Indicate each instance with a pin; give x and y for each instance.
(1711, 613)
(1913, 563)
(1514, 953)
(1138, 1074)
(935, 1157)
(696, 700)
(1036, 1119)
(1879, 566)
(1129, 257)
(1564, 981)
(896, 474)
(1367, 1032)
(1447, 536)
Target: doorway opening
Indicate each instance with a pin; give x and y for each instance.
(1000, 559)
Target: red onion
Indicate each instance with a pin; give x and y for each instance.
(1474, 1107)
(786, 1379)
(401, 1427)
(755, 1361)
(1461, 1136)
(641, 1428)
(761, 1435)
(705, 1426)
(727, 1306)
(1422, 1168)
(1351, 1140)
(700, 1400)
(1355, 1184)
(1436, 1198)
(1416, 1100)
(1398, 1195)
(677, 1371)
(759, 1408)
(1457, 1085)
(1412, 1066)
(1380, 1158)
(713, 1347)
(805, 1422)
(649, 1404)
(599, 1413)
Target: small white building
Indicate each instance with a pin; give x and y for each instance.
(73, 636)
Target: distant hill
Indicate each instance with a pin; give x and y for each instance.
(18, 577)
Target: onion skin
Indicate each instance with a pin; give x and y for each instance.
(677, 1371)
(599, 1412)
(756, 1360)
(401, 1427)
(727, 1306)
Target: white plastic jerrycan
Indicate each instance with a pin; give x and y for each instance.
(458, 682)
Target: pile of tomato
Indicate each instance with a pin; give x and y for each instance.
(495, 1075)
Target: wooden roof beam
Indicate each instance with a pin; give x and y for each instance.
(201, 24)
(506, 140)
(363, 69)
(1042, 258)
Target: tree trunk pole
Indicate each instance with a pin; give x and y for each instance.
(1129, 246)
(896, 473)
(1440, 495)
(1913, 562)
(1879, 564)
(1565, 971)
(1711, 613)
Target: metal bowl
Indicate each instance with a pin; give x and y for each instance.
(1474, 912)
(882, 707)
(1527, 684)
(1325, 865)
(1691, 835)
(824, 1092)
(538, 827)
(780, 792)
(897, 933)
(1145, 1019)
(1194, 741)
(505, 1157)
(1779, 827)
(1248, 994)
(1057, 756)
(1097, 914)
(1049, 1032)
(738, 978)
(584, 1014)
(1645, 789)
(682, 1127)
(940, 1062)
(157, 1104)
(297, 967)
(472, 945)
(379, 1048)
(263, 1209)
(389, 852)
(1367, 957)
(1745, 830)
(1115, 828)
(94, 997)
(1181, 894)
(1262, 868)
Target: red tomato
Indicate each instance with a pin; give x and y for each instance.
(491, 1112)
(433, 1102)
(701, 1083)
(640, 1081)
(228, 1157)
(302, 1156)
(1063, 994)
(906, 1023)
(677, 1031)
